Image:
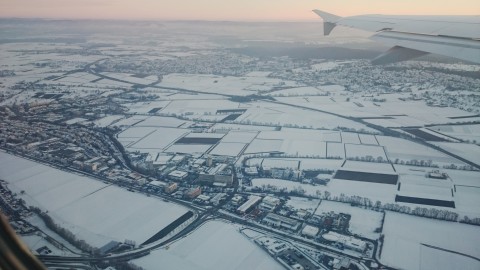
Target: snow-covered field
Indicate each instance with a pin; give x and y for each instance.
(228, 149)
(467, 151)
(335, 150)
(159, 121)
(151, 137)
(214, 246)
(264, 146)
(94, 211)
(363, 222)
(373, 191)
(362, 150)
(367, 139)
(464, 132)
(300, 203)
(406, 237)
(223, 84)
(368, 167)
(406, 151)
(107, 120)
(239, 137)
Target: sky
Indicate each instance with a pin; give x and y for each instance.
(238, 10)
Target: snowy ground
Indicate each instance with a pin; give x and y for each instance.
(465, 150)
(373, 191)
(300, 203)
(363, 222)
(94, 211)
(405, 234)
(214, 246)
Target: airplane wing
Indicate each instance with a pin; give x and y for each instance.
(414, 36)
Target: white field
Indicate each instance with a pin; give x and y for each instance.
(305, 148)
(283, 163)
(299, 134)
(239, 137)
(130, 121)
(130, 78)
(316, 164)
(335, 150)
(363, 222)
(373, 191)
(367, 139)
(107, 120)
(467, 178)
(228, 149)
(188, 148)
(214, 246)
(407, 150)
(239, 127)
(282, 115)
(159, 121)
(300, 203)
(94, 211)
(158, 138)
(464, 132)
(417, 113)
(362, 150)
(222, 84)
(368, 167)
(196, 108)
(299, 91)
(405, 234)
(467, 151)
(292, 163)
(145, 107)
(467, 200)
(264, 146)
(349, 137)
(205, 135)
(426, 191)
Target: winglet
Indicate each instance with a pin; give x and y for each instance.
(329, 21)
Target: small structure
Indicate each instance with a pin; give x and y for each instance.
(219, 175)
(310, 231)
(281, 222)
(170, 188)
(178, 175)
(248, 205)
(269, 203)
(437, 175)
(252, 171)
(218, 198)
(193, 193)
(349, 242)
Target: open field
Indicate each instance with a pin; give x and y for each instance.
(214, 237)
(363, 222)
(94, 211)
(406, 236)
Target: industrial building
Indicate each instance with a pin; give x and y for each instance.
(248, 205)
(269, 203)
(348, 242)
(178, 175)
(171, 188)
(220, 175)
(193, 193)
(281, 222)
(310, 231)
